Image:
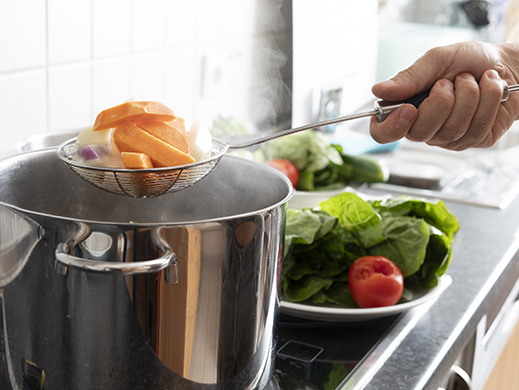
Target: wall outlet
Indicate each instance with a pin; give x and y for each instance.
(214, 73)
(221, 72)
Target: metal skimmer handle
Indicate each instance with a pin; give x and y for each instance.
(508, 89)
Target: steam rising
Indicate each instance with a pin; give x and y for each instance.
(271, 96)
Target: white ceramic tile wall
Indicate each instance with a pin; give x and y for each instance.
(22, 35)
(69, 26)
(111, 28)
(23, 99)
(69, 95)
(63, 61)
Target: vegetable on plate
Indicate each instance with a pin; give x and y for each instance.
(321, 244)
(375, 281)
(323, 166)
(286, 167)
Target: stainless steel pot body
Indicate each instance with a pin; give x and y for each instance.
(99, 291)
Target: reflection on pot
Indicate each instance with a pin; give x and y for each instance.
(97, 244)
(18, 237)
(209, 326)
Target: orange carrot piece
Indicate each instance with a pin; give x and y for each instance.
(130, 138)
(132, 160)
(180, 124)
(167, 133)
(134, 112)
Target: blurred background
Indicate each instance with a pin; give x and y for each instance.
(237, 65)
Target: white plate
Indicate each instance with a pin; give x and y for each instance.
(310, 199)
(324, 313)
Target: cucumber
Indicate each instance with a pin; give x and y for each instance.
(365, 169)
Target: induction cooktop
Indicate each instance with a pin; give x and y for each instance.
(315, 355)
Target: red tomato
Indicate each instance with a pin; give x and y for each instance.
(287, 167)
(375, 281)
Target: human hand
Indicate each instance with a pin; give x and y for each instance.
(464, 108)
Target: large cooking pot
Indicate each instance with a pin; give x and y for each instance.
(100, 291)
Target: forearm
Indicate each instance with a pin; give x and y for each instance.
(510, 56)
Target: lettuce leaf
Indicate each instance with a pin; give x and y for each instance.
(305, 288)
(357, 216)
(405, 244)
(437, 260)
(435, 213)
(305, 226)
(338, 293)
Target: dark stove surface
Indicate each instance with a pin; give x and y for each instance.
(321, 355)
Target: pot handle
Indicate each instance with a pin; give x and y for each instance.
(167, 262)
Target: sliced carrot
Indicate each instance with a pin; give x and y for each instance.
(167, 133)
(132, 160)
(134, 112)
(180, 124)
(130, 138)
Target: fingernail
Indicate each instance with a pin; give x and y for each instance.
(446, 84)
(466, 75)
(386, 83)
(492, 74)
(407, 115)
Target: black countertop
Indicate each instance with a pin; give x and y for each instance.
(416, 349)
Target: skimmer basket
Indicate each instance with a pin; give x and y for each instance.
(140, 183)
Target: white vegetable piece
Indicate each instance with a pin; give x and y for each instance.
(87, 136)
(100, 140)
(200, 141)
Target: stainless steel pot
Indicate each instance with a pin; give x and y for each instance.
(45, 140)
(99, 291)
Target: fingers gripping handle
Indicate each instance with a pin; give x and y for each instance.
(383, 107)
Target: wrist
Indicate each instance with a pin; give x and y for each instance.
(510, 58)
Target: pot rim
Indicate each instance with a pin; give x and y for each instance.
(274, 171)
(153, 224)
